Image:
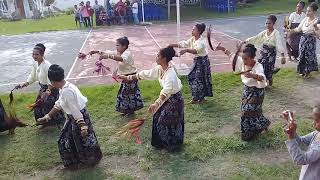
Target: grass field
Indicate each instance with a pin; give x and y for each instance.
(66, 22)
(212, 147)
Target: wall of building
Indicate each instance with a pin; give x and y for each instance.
(65, 4)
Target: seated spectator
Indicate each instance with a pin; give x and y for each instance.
(102, 18)
(309, 159)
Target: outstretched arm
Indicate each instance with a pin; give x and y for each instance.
(114, 57)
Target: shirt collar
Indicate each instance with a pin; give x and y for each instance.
(66, 85)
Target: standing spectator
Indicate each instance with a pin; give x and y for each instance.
(128, 16)
(308, 159)
(90, 12)
(81, 18)
(127, 3)
(85, 15)
(108, 6)
(135, 11)
(120, 11)
(96, 8)
(77, 15)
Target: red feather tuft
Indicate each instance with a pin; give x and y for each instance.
(132, 128)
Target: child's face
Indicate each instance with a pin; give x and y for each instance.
(195, 31)
(36, 55)
(120, 48)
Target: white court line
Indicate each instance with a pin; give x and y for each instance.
(99, 76)
(69, 73)
(152, 37)
(218, 64)
(227, 35)
(76, 59)
(76, 78)
(87, 77)
(9, 84)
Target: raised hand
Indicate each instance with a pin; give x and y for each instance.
(43, 120)
(248, 74)
(239, 45)
(84, 131)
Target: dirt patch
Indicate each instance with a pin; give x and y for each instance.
(308, 92)
(228, 130)
(111, 165)
(271, 157)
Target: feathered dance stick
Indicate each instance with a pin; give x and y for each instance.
(11, 120)
(102, 69)
(132, 129)
(235, 58)
(134, 126)
(39, 102)
(209, 31)
(287, 23)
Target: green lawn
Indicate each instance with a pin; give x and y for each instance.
(212, 147)
(66, 22)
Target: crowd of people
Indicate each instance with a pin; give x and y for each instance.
(120, 13)
(78, 144)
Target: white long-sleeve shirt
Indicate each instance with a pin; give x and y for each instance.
(256, 69)
(199, 45)
(310, 159)
(39, 73)
(306, 26)
(274, 39)
(71, 100)
(127, 65)
(297, 18)
(168, 79)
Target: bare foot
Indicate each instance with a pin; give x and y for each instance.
(307, 76)
(203, 101)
